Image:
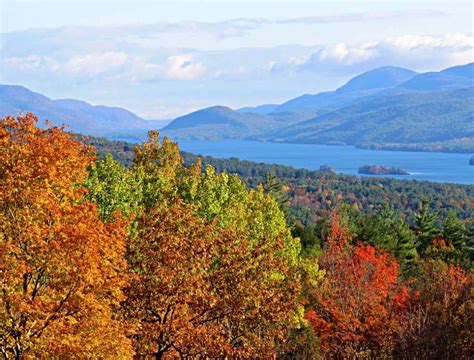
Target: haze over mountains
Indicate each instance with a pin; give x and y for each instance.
(78, 115)
(385, 105)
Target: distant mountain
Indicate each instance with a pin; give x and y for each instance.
(220, 122)
(435, 81)
(404, 118)
(378, 82)
(79, 116)
(456, 77)
(261, 109)
(385, 105)
(216, 115)
(369, 83)
(466, 71)
(380, 78)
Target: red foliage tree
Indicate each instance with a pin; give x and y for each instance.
(354, 309)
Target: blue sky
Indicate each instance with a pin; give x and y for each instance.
(162, 59)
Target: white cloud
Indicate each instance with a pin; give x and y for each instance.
(359, 17)
(345, 54)
(184, 67)
(418, 52)
(95, 63)
(32, 63)
(122, 68)
(421, 42)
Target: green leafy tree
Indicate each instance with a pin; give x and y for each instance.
(226, 251)
(112, 187)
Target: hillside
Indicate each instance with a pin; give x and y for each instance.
(435, 81)
(407, 118)
(365, 84)
(466, 71)
(325, 189)
(388, 105)
(220, 122)
(79, 116)
(380, 78)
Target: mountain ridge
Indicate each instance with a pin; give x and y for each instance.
(78, 115)
(381, 98)
(406, 93)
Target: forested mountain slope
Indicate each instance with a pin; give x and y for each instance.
(406, 118)
(78, 115)
(220, 122)
(387, 105)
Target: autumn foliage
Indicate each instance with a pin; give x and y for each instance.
(354, 310)
(204, 291)
(439, 322)
(215, 271)
(61, 268)
(162, 260)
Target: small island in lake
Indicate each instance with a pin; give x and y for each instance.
(327, 169)
(471, 160)
(382, 170)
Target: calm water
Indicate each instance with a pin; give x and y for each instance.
(439, 167)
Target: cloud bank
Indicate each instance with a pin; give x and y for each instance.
(131, 66)
(413, 51)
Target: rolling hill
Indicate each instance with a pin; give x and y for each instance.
(366, 84)
(79, 116)
(385, 105)
(404, 118)
(389, 105)
(220, 122)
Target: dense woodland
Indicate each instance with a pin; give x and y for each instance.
(172, 257)
(313, 194)
(460, 145)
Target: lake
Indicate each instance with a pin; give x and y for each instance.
(441, 167)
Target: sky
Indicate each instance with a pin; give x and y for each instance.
(163, 59)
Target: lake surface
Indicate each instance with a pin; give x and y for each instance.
(441, 167)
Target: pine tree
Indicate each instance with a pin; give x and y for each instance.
(454, 231)
(425, 227)
(274, 187)
(406, 253)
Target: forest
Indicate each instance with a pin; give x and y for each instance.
(316, 193)
(116, 251)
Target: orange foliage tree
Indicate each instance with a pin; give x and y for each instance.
(61, 268)
(215, 266)
(202, 290)
(439, 322)
(354, 308)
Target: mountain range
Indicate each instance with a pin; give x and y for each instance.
(79, 116)
(387, 105)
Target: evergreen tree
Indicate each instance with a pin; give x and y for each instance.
(406, 253)
(469, 246)
(385, 228)
(274, 187)
(425, 227)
